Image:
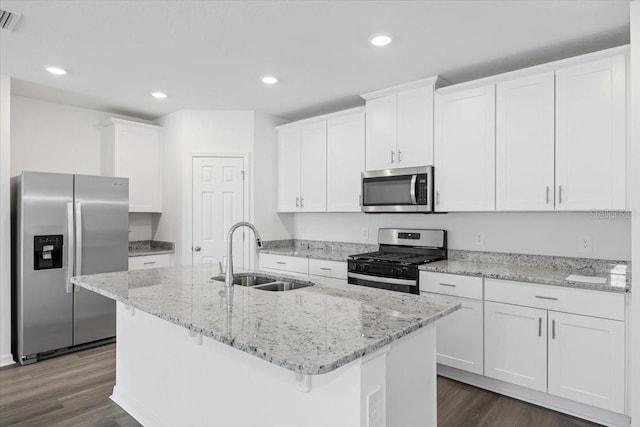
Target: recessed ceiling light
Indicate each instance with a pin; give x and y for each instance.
(269, 80)
(380, 39)
(159, 95)
(56, 70)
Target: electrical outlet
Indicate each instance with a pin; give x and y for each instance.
(479, 239)
(585, 244)
(364, 232)
(375, 409)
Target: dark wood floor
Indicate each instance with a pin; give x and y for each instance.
(73, 390)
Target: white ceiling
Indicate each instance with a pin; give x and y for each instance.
(210, 55)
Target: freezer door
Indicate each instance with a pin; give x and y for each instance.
(44, 302)
(102, 246)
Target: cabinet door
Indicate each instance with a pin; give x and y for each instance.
(289, 169)
(591, 136)
(525, 138)
(586, 360)
(460, 337)
(415, 127)
(313, 167)
(138, 156)
(381, 133)
(516, 345)
(345, 162)
(464, 156)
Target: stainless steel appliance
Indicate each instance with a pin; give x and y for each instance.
(64, 226)
(398, 190)
(394, 266)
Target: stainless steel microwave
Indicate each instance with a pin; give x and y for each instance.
(398, 190)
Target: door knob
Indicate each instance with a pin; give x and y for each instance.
(197, 248)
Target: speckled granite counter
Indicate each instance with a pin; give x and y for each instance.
(332, 251)
(536, 269)
(150, 247)
(312, 330)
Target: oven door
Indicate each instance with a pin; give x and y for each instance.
(397, 190)
(409, 286)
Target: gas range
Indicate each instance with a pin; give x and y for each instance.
(394, 266)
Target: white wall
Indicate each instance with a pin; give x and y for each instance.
(272, 226)
(527, 233)
(635, 205)
(5, 221)
(141, 226)
(187, 132)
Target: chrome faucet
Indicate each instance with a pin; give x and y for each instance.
(228, 280)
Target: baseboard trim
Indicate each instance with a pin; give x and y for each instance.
(131, 406)
(6, 360)
(559, 404)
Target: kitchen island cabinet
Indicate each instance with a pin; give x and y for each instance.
(192, 353)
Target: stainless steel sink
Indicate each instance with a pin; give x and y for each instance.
(265, 282)
(283, 286)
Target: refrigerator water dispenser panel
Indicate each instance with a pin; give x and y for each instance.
(47, 252)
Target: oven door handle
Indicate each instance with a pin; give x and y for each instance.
(412, 191)
(389, 280)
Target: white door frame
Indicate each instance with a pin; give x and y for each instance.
(187, 238)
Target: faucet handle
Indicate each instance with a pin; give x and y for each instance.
(258, 244)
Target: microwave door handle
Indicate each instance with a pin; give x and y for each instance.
(414, 178)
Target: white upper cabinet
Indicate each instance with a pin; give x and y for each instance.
(288, 169)
(134, 150)
(345, 161)
(381, 133)
(313, 167)
(302, 167)
(525, 144)
(464, 155)
(399, 126)
(591, 135)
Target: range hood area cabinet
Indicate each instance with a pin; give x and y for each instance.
(399, 125)
(134, 150)
(319, 163)
(557, 133)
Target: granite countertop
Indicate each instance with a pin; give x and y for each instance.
(311, 330)
(331, 251)
(150, 247)
(536, 269)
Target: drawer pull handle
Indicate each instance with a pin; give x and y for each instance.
(547, 298)
(448, 285)
(553, 329)
(149, 263)
(281, 262)
(325, 268)
(539, 326)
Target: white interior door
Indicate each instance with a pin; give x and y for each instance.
(218, 203)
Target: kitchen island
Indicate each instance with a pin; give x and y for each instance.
(190, 352)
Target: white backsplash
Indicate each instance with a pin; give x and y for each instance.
(553, 233)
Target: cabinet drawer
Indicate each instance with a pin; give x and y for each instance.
(451, 284)
(335, 269)
(285, 263)
(579, 301)
(149, 261)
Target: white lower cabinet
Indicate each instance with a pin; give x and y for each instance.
(587, 360)
(516, 344)
(460, 334)
(459, 337)
(146, 262)
(301, 266)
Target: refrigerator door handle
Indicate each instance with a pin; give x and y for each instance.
(78, 242)
(70, 243)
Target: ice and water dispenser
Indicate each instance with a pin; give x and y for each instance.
(47, 252)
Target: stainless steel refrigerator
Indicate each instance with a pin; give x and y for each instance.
(64, 226)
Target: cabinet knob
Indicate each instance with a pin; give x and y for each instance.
(197, 248)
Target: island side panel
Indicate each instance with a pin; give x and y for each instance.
(166, 377)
